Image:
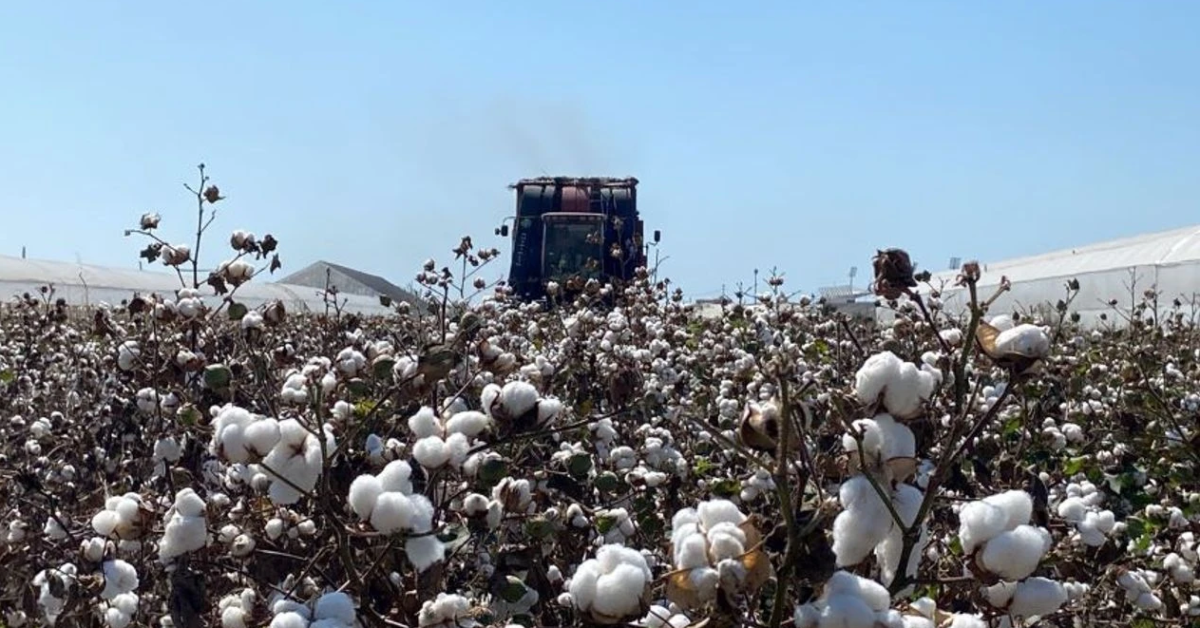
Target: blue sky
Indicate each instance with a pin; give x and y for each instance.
(794, 135)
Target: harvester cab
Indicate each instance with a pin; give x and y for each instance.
(569, 230)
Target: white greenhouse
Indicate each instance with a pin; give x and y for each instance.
(1123, 269)
(84, 284)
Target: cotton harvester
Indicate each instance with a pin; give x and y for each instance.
(568, 230)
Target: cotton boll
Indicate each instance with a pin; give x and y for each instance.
(1073, 509)
(396, 476)
(863, 524)
(424, 551)
(274, 527)
(431, 452)
(336, 606)
(262, 435)
(364, 490)
(1025, 339)
(716, 511)
(611, 584)
(119, 577)
(469, 423)
(1017, 504)
(518, 397)
(873, 594)
(1014, 554)
(979, 522)
(290, 619)
(425, 423)
(847, 611)
(393, 512)
(1037, 596)
(457, 448)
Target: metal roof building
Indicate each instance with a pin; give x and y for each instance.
(86, 284)
(1122, 269)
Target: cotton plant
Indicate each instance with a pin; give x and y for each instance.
(387, 502)
(611, 586)
(997, 539)
(848, 600)
(285, 452)
(882, 451)
(716, 550)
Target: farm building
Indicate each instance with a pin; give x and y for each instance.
(86, 284)
(1122, 269)
(348, 282)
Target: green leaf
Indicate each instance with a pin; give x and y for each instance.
(237, 311)
(607, 481)
(513, 589)
(492, 471)
(605, 523)
(1074, 465)
(727, 488)
(358, 387)
(539, 527)
(7, 376)
(382, 367)
(189, 415)
(217, 376)
(579, 465)
(364, 407)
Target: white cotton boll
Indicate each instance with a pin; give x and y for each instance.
(1000, 594)
(1072, 509)
(549, 409)
(518, 398)
(1037, 596)
(425, 423)
(242, 545)
(979, 522)
(725, 540)
(489, 397)
(105, 522)
(308, 527)
(873, 594)
(1014, 554)
(847, 611)
(806, 616)
(93, 549)
(1024, 339)
(431, 452)
(114, 618)
(119, 577)
(716, 511)
(392, 512)
(228, 532)
(233, 617)
(188, 503)
(457, 448)
(262, 435)
(424, 551)
(396, 476)
(691, 553)
(364, 490)
(470, 423)
(897, 440)
(274, 527)
(1016, 503)
(289, 619)
(337, 606)
(863, 524)
(967, 621)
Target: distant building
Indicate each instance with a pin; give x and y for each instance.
(349, 281)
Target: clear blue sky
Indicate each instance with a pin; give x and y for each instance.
(789, 134)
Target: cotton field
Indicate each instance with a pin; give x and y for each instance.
(180, 460)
